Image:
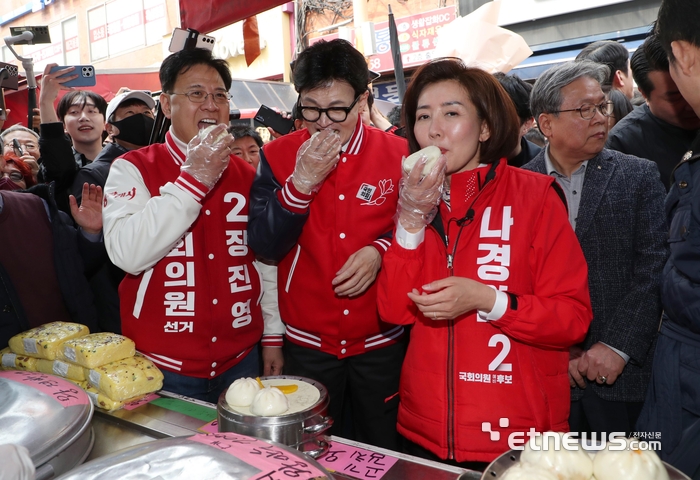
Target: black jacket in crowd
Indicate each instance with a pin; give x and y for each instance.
(75, 258)
(644, 135)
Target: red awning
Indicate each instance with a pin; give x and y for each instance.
(107, 84)
(208, 15)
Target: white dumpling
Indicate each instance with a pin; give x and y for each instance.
(242, 392)
(268, 402)
(639, 463)
(431, 153)
(569, 464)
(524, 471)
(207, 130)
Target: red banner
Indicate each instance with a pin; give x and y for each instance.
(208, 15)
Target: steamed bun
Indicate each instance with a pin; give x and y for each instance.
(629, 463)
(542, 451)
(524, 471)
(432, 153)
(268, 402)
(207, 130)
(242, 392)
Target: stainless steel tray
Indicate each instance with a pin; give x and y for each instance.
(125, 428)
(498, 467)
(31, 415)
(182, 458)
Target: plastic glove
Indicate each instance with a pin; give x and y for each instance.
(16, 463)
(208, 157)
(419, 197)
(316, 158)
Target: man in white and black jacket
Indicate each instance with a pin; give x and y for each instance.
(175, 220)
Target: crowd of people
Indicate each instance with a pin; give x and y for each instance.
(541, 274)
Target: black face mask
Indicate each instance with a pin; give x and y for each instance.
(135, 129)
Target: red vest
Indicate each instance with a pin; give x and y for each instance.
(197, 311)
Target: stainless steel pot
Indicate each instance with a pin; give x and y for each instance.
(301, 430)
(498, 467)
(49, 416)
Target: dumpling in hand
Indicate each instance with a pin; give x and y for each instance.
(639, 463)
(524, 471)
(268, 402)
(431, 154)
(546, 452)
(242, 392)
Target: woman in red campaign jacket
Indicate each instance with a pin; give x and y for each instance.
(493, 279)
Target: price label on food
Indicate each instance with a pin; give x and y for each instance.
(63, 391)
(273, 462)
(141, 401)
(356, 462)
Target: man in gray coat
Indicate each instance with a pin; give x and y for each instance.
(615, 204)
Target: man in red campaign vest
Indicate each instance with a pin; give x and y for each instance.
(175, 219)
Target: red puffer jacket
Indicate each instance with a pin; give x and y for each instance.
(467, 384)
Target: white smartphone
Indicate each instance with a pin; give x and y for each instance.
(182, 38)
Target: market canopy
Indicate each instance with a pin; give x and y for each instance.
(208, 15)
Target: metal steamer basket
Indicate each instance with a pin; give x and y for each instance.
(498, 467)
(49, 416)
(303, 430)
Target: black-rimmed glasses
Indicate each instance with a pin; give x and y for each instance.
(200, 96)
(335, 114)
(587, 110)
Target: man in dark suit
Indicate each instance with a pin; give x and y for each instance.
(615, 206)
(662, 129)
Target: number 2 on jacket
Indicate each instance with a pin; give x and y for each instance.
(497, 363)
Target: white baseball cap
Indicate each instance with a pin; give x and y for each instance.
(143, 95)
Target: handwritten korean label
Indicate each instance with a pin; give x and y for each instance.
(356, 462)
(211, 427)
(64, 392)
(140, 401)
(273, 462)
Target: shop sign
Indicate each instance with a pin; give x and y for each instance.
(230, 43)
(417, 38)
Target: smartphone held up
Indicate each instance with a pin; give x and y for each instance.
(274, 120)
(86, 75)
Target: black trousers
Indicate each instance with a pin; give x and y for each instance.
(369, 381)
(594, 414)
(417, 451)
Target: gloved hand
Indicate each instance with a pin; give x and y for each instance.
(316, 158)
(419, 197)
(208, 155)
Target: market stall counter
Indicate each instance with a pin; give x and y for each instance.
(164, 415)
